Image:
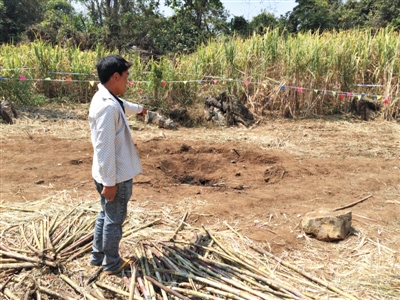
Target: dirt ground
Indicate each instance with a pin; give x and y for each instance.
(263, 179)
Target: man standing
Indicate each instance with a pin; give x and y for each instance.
(115, 160)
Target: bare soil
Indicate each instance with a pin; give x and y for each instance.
(262, 179)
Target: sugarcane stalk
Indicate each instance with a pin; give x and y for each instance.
(179, 226)
(49, 242)
(76, 287)
(61, 235)
(66, 242)
(79, 253)
(41, 240)
(115, 290)
(218, 285)
(190, 284)
(54, 228)
(142, 287)
(90, 224)
(35, 236)
(98, 292)
(147, 268)
(45, 231)
(10, 295)
(132, 283)
(196, 294)
(279, 292)
(160, 266)
(301, 280)
(53, 221)
(55, 294)
(71, 222)
(126, 280)
(222, 293)
(208, 251)
(290, 266)
(166, 289)
(68, 227)
(16, 208)
(29, 259)
(4, 284)
(235, 283)
(47, 291)
(293, 291)
(143, 258)
(18, 266)
(7, 260)
(21, 228)
(275, 285)
(235, 256)
(4, 248)
(19, 250)
(180, 257)
(94, 276)
(166, 260)
(153, 262)
(129, 232)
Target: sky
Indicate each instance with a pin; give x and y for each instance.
(251, 8)
(246, 8)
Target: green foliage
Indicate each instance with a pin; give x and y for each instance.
(177, 36)
(61, 25)
(240, 26)
(119, 23)
(262, 22)
(17, 15)
(43, 60)
(21, 92)
(314, 15)
(195, 22)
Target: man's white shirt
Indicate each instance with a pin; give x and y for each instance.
(115, 156)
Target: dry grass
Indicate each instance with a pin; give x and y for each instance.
(359, 266)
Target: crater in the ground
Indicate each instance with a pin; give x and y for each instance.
(187, 179)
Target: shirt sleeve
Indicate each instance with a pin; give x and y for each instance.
(106, 121)
(131, 108)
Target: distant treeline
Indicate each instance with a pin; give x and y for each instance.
(139, 24)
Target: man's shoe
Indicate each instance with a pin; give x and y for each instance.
(92, 264)
(126, 265)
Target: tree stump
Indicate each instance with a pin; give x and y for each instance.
(8, 112)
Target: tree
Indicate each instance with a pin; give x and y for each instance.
(119, 22)
(206, 18)
(385, 12)
(17, 15)
(239, 25)
(261, 22)
(61, 24)
(314, 15)
(355, 13)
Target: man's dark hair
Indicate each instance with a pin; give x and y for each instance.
(110, 64)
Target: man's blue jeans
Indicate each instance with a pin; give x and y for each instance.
(108, 227)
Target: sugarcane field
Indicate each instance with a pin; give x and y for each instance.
(218, 212)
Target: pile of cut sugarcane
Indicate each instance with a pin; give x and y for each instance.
(47, 258)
